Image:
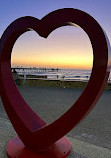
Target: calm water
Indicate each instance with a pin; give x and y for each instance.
(61, 74)
(72, 74)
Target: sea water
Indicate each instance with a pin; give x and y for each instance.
(71, 74)
(61, 74)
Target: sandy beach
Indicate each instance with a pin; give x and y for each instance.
(90, 139)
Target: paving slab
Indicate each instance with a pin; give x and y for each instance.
(89, 139)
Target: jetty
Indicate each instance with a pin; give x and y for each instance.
(34, 69)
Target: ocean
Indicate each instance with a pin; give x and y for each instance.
(71, 74)
(59, 74)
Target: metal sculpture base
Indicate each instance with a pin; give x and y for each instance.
(60, 149)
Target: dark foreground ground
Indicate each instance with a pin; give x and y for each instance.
(90, 139)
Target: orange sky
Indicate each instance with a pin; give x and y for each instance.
(66, 47)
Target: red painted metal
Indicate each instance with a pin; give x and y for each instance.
(60, 149)
(33, 131)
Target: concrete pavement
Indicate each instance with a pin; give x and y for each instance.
(90, 139)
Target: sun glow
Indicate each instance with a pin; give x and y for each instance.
(65, 47)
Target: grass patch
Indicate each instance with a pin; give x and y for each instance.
(57, 83)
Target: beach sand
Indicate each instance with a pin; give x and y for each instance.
(89, 139)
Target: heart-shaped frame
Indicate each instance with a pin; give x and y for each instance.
(31, 129)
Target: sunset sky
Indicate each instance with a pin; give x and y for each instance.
(66, 47)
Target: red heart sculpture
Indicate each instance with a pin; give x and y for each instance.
(31, 129)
